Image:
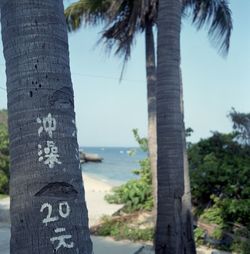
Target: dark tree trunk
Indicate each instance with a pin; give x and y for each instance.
(187, 216)
(170, 164)
(151, 98)
(48, 210)
(188, 237)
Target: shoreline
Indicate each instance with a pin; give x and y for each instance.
(95, 191)
(100, 178)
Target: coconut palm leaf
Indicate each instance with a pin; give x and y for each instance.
(216, 15)
(131, 16)
(88, 12)
(124, 19)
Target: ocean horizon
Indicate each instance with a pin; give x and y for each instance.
(117, 165)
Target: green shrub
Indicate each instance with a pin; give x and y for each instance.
(218, 233)
(4, 183)
(220, 177)
(2, 196)
(241, 243)
(4, 160)
(199, 234)
(121, 230)
(213, 215)
(135, 194)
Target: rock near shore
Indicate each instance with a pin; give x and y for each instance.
(90, 157)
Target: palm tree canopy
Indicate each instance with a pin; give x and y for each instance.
(123, 19)
(128, 18)
(89, 12)
(216, 15)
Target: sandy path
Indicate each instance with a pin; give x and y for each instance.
(95, 190)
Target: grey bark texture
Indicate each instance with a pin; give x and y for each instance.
(48, 210)
(170, 163)
(151, 97)
(2, 2)
(187, 216)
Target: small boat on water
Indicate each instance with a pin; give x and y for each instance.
(90, 157)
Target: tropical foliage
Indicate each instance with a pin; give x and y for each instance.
(220, 180)
(135, 194)
(4, 154)
(123, 229)
(220, 176)
(124, 19)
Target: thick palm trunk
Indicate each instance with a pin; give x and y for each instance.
(188, 238)
(151, 98)
(169, 228)
(48, 211)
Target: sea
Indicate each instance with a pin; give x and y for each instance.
(117, 165)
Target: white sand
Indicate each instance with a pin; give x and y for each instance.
(95, 190)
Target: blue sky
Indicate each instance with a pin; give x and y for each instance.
(107, 110)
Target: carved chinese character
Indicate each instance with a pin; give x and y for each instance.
(48, 125)
(49, 154)
(61, 239)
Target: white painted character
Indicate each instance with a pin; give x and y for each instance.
(48, 125)
(77, 155)
(74, 133)
(64, 212)
(49, 218)
(49, 154)
(61, 239)
(64, 209)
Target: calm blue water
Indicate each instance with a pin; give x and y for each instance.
(117, 164)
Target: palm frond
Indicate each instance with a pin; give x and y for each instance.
(119, 35)
(88, 12)
(129, 17)
(216, 15)
(122, 20)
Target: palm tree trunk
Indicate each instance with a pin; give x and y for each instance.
(170, 164)
(48, 210)
(187, 217)
(151, 97)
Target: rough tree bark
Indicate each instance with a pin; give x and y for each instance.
(170, 164)
(48, 210)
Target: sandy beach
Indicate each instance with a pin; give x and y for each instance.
(95, 190)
